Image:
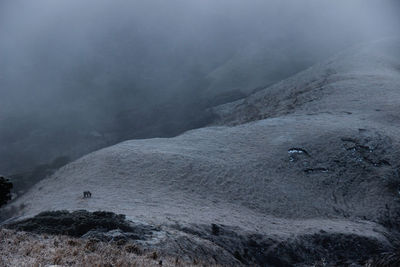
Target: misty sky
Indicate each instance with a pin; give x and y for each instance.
(81, 64)
(46, 44)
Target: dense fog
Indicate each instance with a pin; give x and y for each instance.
(80, 75)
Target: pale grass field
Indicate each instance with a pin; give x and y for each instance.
(26, 249)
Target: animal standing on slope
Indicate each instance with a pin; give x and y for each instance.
(87, 194)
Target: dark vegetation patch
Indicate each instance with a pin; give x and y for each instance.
(335, 248)
(386, 259)
(5, 190)
(100, 224)
(258, 250)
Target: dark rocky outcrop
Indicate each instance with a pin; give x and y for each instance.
(258, 250)
(100, 224)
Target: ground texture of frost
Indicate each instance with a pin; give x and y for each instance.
(318, 151)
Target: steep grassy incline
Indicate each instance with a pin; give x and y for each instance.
(317, 153)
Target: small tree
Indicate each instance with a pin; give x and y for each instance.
(5, 191)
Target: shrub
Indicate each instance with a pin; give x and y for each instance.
(5, 191)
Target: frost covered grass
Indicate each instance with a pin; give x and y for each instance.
(26, 249)
(311, 159)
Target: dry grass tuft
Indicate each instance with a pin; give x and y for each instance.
(131, 248)
(27, 249)
(154, 255)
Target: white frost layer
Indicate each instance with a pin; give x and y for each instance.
(243, 175)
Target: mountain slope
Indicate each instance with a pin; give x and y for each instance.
(317, 153)
(361, 80)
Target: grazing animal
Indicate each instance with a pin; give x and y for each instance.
(87, 194)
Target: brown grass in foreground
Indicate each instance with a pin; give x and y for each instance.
(26, 249)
